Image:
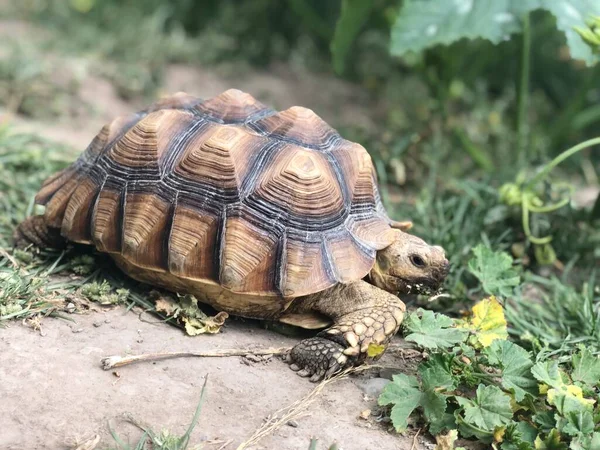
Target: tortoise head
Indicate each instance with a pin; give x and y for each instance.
(410, 266)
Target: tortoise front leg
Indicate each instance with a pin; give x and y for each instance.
(362, 314)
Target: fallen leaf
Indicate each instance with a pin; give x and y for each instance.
(446, 441)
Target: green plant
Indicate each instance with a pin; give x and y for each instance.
(484, 387)
(525, 193)
(163, 440)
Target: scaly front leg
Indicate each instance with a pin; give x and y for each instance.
(362, 314)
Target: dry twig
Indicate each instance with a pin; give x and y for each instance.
(284, 415)
(112, 362)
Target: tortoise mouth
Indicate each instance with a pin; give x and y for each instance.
(421, 286)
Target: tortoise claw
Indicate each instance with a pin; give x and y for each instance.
(317, 358)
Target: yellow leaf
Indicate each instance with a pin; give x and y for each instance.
(569, 390)
(446, 441)
(487, 322)
(375, 350)
(211, 325)
(499, 434)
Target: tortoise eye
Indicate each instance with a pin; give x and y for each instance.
(417, 261)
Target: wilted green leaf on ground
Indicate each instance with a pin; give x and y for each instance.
(422, 24)
(586, 368)
(494, 270)
(185, 309)
(103, 293)
(516, 364)
(431, 330)
(488, 410)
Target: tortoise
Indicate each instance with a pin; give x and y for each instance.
(262, 214)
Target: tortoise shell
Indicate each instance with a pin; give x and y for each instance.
(225, 191)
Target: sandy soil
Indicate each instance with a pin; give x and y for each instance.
(54, 393)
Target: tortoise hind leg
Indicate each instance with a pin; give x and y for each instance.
(34, 230)
(362, 314)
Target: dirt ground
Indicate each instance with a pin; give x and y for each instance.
(53, 392)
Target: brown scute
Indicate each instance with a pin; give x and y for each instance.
(145, 143)
(350, 262)
(145, 222)
(357, 166)
(98, 144)
(305, 271)
(192, 244)
(299, 125)
(374, 232)
(248, 258)
(56, 206)
(219, 156)
(232, 106)
(53, 184)
(76, 223)
(302, 181)
(106, 221)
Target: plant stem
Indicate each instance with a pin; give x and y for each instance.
(523, 94)
(560, 158)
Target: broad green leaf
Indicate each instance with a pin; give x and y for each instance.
(589, 442)
(490, 408)
(403, 392)
(548, 373)
(551, 442)
(406, 395)
(577, 423)
(425, 23)
(487, 322)
(569, 398)
(352, 18)
(494, 270)
(431, 330)
(545, 420)
(436, 378)
(516, 364)
(519, 436)
(445, 422)
(586, 368)
(468, 430)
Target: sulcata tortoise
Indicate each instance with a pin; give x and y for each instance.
(262, 214)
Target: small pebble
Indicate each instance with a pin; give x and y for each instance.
(373, 387)
(98, 324)
(77, 330)
(292, 423)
